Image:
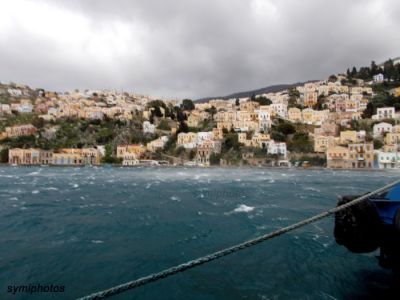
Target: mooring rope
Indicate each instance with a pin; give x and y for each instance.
(213, 256)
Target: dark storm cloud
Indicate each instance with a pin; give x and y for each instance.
(186, 48)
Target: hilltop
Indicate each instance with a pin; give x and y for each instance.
(247, 94)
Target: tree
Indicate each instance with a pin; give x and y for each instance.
(192, 154)
(364, 73)
(300, 143)
(237, 102)
(374, 68)
(164, 125)
(38, 122)
(170, 144)
(332, 78)
(390, 71)
(278, 136)
(212, 111)
(263, 100)
(294, 96)
(293, 92)
(215, 159)
(231, 141)
(285, 128)
(354, 72)
(378, 144)
(369, 111)
(156, 112)
(182, 127)
(187, 104)
(4, 155)
(109, 158)
(180, 115)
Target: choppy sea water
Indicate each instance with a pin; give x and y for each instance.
(91, 228)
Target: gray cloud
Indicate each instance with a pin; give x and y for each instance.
(187, 48)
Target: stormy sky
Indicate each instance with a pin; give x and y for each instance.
(188, 48)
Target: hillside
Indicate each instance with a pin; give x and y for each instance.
(265, 90)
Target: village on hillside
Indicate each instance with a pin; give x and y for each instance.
(348, 121)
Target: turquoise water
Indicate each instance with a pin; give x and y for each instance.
(92, 228)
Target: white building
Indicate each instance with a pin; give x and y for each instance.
(5, 109)
(25, 108)
(52, 111)
(280, 109)
(15, 92)
(378, 78)
(381, 128)
(384, 113)
(203, 136)
(277, 148)
(264, 120)
(148, 127)
(157, 144)
(130, 159)
(388, 160)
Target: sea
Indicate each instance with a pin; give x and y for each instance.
(90, 228)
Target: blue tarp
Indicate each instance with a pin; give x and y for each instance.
(388, 204)
(394, 193)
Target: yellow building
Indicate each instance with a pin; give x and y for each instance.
(361, 155)
(396, 92)
(320, 116)
(310, 99)
(246, 125)
(218, 134)
(225, 125)
(157, 144)
(307, 116)
(73, 156)
(294, 115)
(396, 129)
(20, 156)
(249, 106)
(136, 149)
(348, 136)
(322, 143)
(188, 139)
(392, 138)
(337, 157)
(194, 120)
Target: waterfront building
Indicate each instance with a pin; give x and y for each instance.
(137, 149)
(361, 155)
(18, 156)
(205, 149)
(388, 160)
(337, 157)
